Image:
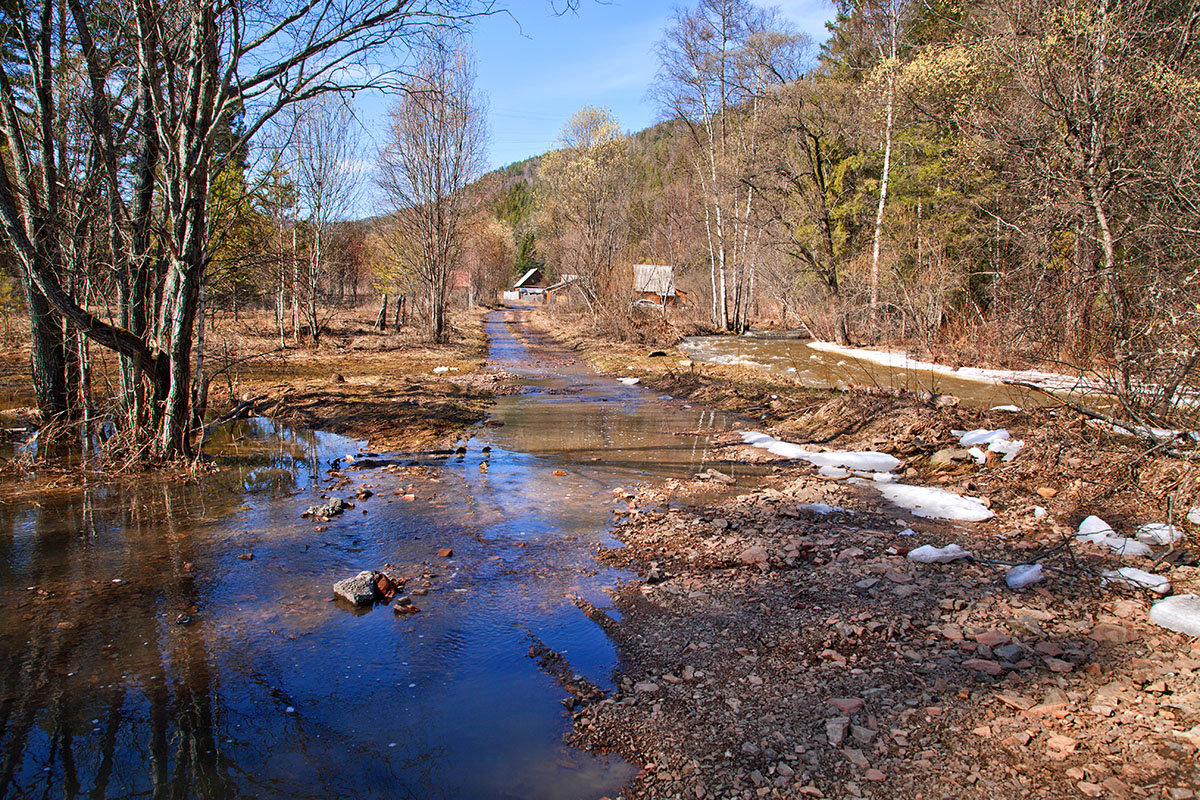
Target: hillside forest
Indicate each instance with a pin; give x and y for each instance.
(1007, 183)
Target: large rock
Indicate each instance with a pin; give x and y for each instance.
(335, 506)
(361, 590)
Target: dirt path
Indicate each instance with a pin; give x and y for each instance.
(770, 650)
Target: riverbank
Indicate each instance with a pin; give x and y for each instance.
(392, 388)
(772, 650)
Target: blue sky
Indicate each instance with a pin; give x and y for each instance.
(538, 68)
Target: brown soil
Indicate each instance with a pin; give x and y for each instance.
(770, 651)
(359, 382)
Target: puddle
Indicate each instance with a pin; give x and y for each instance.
(178, 639)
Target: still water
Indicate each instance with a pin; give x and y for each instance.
(161, 638)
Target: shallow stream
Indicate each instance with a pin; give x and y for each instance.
(167, 638)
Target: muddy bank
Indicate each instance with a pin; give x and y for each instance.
(770, 650)
(390, 388)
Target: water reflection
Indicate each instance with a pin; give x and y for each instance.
(175, 639)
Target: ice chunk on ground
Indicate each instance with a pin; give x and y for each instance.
(823, 508)
(907, 532)
(440, 370)
(977, 454)
(1097, 531)
(629, 381)
(1179, 613)
(867, 461)
(933, 503)
(1094, 529)
(997, 441)
(1159, 533)
(1007, 448)
(1039, 512)
(1023, 575)
(1193, 515)
(1138, 579)
(981, 436)
(928, 554)
(1013, 409)
(833, 472)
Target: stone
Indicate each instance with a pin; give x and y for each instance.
(857, 758)
(835, 730)
(645, 687)
(1048, 649)
(1061, 746)
(983, 665)
(1047, 492)
(993, 639)
(1058, 665)
(847, 705)
(334, 507)
(866, 583)
(445, 552)
(874, 775)
(1089, 789)
(1112, 633)
(753, 555)
(359, 590)
(862, 734)
(1008, 652)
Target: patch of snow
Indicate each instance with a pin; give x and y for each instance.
(1011, 409)
(630, 381)
(928, 554)
(1137, 578)
(1097, 531)
(907, 532)
(837, 473)
(823, 508)
(440, 370)
(866, 461)
(1193, 515)
(997, 441)
(934, 503)
(1039, 512)
(1179, 613)
(1023, 575)
(883, 477)
(887, 358)
(977, 454)
(1159, 533)
(981, 436)
(1094, 529)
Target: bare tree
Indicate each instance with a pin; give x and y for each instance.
(435, 149)
(158, 81)
(717, 64)
(328, 178)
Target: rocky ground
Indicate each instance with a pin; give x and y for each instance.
(769, 650)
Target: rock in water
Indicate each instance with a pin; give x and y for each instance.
(359, 590)
(1179, 613)
(334, 507)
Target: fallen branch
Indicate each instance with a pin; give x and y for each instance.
(1140, 431)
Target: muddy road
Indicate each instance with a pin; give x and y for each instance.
(168, 638)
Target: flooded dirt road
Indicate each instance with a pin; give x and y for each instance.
(167, 639)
